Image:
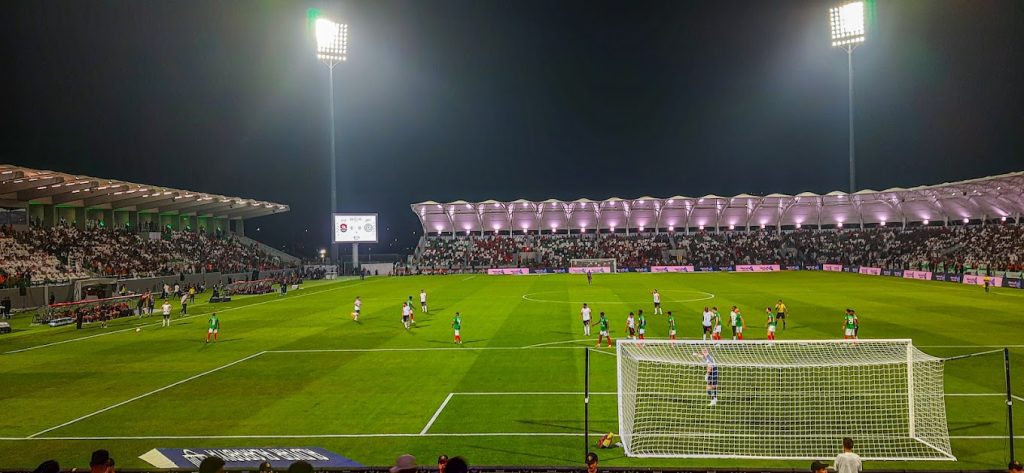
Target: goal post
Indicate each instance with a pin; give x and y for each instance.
(597, 264)
(787, 399)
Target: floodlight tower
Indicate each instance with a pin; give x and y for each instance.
(848, 32)
(332, 49)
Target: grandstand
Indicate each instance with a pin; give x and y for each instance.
(57, 228)
(987, 199)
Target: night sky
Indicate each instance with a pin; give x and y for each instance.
(477, 99)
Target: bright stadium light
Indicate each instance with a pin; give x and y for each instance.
(672, 228)
(849, 30)
(966, 220)
(331, 41)
(331, 49)
(1002, 219)
(798, 225)
(925, 221)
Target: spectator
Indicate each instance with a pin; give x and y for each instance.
(266, 467)
(591, 462)
(457, 465)
(48, 466)
(442, 462)
(848, 462)
(407, 464)
(300, 466)
(101, 462)
(1015, 467)
(818, 467)
(212, 465)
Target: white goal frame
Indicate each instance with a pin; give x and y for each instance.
(912, 425)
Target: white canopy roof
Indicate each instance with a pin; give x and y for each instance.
(991, 197)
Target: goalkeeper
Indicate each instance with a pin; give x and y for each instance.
(710, 375)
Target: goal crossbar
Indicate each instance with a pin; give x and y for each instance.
(798, 398)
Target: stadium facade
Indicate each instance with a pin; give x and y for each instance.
(993, 198)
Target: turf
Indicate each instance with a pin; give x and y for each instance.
(310, 376)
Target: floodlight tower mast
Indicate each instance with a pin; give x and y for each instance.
(332, 49)
(848, 31)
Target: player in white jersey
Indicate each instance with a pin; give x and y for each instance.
(732, 321)
(406, 314)
(585, 315)
(706, 323)
(423, 300)
(356, 307)
(657, 302)
(631, 326)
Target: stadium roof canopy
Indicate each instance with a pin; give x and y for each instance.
(32, 186)
(988, 198)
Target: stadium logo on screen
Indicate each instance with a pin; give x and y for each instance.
(343, 227)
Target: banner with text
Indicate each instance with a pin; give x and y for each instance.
(757, 268)
(923, 275)
(831, 267)
(671, 269)
(980, 280)
(246, 457)
(871, 271)
(494, 271)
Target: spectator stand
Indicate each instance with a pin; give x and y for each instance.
(92, 310)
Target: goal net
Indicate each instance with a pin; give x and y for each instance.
(597, 265)
(781, 399)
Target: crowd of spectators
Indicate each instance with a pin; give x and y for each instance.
(62, 253)
(950, 249)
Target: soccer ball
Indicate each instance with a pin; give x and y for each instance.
(138, 329)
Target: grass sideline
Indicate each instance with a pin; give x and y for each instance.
(297, 371)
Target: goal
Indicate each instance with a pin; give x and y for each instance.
(781, 399)
(597, 265)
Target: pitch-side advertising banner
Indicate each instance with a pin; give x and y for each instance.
(924, 275)
(757, 268)
(831, 267)
(494, 271)
(980, 280)
(246, 457)
(595, 269)
(871, 271)
(671, 269)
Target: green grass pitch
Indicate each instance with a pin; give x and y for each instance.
(297, 371)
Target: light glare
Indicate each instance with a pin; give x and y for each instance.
(847, 24)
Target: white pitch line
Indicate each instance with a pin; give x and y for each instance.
(140, 396)
(969, 346)
(313, 436)
(436, 413)
(180, 318)
(325, 436)
(535, 393)
(373, 350)
(559, 343)
(471, 277)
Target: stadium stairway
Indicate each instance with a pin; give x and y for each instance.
(285, 257)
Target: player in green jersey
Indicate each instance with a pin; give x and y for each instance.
(739, 325)
(602, 330)
(772, 321)
(716, 321)
(457, 326)
(214, 328)
(850, 325)
(641, 324)
(671, 326)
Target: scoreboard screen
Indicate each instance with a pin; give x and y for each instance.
(355, 228)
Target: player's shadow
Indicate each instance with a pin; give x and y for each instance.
(570, 426)
(968, 426)
(449, 341)
(223, 340)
